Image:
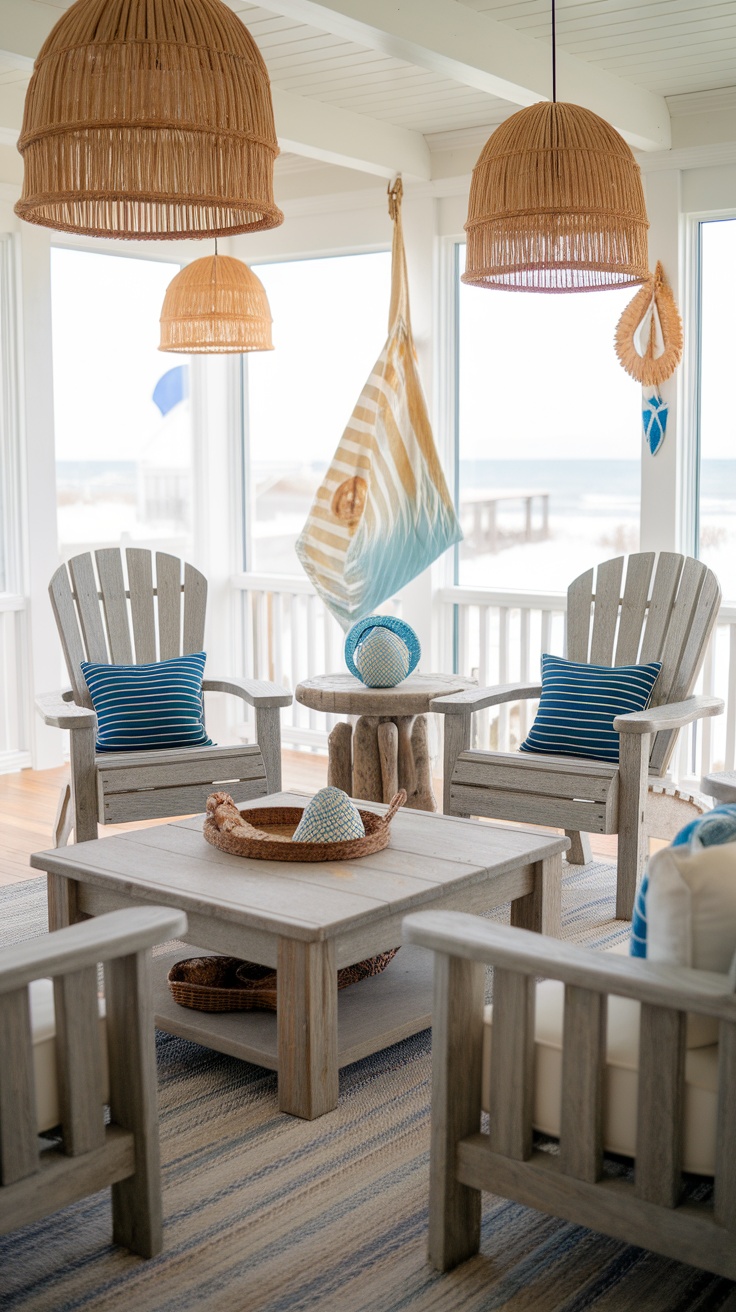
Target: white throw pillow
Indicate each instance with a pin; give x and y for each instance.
(691, 907)
(691, 917)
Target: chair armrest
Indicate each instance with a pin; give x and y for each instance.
(116, 934)
(55, 710)
(673, 716)
(475, 699)
(258, 692)
(458, 934)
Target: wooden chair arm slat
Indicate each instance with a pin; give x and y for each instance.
(257, 692)
(113, 935)
(460, 934)
(57, 711)
(659, 718)
(476, 699)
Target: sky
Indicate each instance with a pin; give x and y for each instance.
(538, 374)
(105, 324)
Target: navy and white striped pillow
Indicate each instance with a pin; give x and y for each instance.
(580, 702)
(145, 706)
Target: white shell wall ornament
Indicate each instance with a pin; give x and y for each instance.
(649, 338)
(649, 345)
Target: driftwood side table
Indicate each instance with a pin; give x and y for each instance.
(721, 787)
(387, 749)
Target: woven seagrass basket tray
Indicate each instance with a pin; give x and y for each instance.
(265, 832)
(229, 984)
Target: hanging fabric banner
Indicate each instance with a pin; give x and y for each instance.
(383, 511)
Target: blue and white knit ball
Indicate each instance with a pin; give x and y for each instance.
(330, 817)
(382, 658)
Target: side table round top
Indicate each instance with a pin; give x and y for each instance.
(722, 787)
(346, 695)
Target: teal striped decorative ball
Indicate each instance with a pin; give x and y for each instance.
(381, 664)
(330, 817)
(382, 658)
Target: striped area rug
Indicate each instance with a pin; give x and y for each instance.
(265, 1213)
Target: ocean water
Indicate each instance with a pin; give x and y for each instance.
(72, 473)
(575, 485)
(580, 487)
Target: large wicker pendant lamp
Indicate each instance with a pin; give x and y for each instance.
(150, 119)
(215, 305)
(556, 204)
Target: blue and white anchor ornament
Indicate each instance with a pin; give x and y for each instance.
(654, 412)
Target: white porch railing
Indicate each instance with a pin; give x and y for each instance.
(494, 636)
(500, 637)
(288, 635)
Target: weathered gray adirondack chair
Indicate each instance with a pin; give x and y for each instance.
(662, 614)
(464, 1160)
(101, 619)
(123, 1154)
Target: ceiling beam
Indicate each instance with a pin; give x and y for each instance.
(354, 141)
(305, 126)
(478, 51)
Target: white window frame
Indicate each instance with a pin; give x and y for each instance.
(15, 709)
(692, 369)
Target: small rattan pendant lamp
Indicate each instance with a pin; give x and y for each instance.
(149, 119)
(213, 306)
(556, 203)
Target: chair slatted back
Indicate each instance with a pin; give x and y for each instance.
(645, 608)
(19, 1147)
(102, 618)
(660, 1116)
(79, 1073)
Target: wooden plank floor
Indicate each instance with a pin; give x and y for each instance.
(28, 801)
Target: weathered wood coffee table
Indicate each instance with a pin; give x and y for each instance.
(308, 920)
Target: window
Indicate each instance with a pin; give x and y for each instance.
(717, 499)
(121, 409)
(549, 437)
(14, 657)
(330, 323)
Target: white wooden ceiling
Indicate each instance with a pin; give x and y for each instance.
(318, 64)
(668, 46)
(354, 87)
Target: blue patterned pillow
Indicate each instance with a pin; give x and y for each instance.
(638, 940)
(144, 706)
(579, 704)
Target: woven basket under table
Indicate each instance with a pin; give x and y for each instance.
(229, 984)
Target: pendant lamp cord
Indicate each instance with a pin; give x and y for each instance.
(215, 246)
(554, 56)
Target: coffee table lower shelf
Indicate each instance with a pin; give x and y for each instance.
(371, 1015)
